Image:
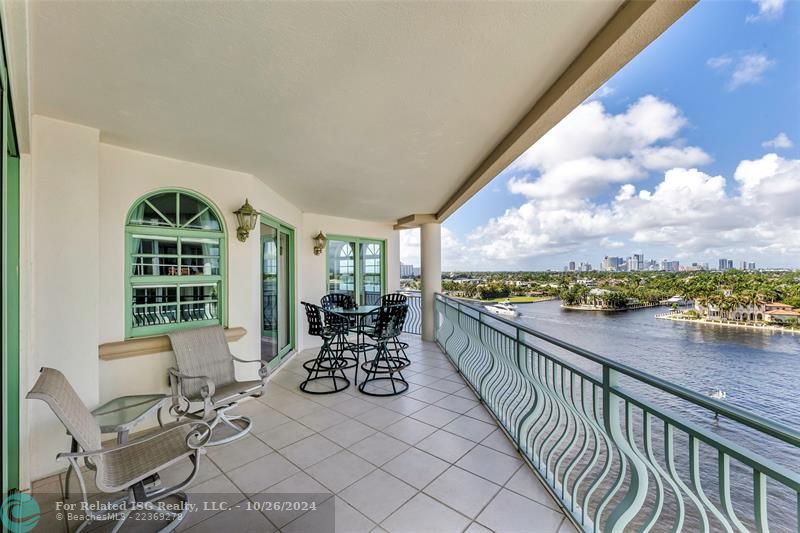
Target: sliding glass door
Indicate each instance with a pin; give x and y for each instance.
(277, 290)
(356, 266)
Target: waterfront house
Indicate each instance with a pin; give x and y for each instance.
(174, 165)
(782, 314)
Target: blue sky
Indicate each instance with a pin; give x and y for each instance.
(690, 152)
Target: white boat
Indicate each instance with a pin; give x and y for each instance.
(505, 308)
(719, 394)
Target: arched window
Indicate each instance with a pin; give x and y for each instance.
(175, 264)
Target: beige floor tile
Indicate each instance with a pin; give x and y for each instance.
(423, 514)
(416, 467)
(463, 491)
(340, 470)
(310, 450)
(490, 464)
(377, 495)
(446, 445)
(262, 473)
(509, 512)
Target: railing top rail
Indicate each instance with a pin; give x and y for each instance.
(757, 422)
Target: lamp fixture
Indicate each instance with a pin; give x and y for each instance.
(319, 243)
(247, 217)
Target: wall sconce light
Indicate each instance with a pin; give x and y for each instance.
(247, 217)
(319, 243)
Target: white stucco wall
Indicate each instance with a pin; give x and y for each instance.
(312, 267)
(79, 194)
(127, 175)
(64, 261)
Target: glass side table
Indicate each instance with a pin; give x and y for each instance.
(120, 416)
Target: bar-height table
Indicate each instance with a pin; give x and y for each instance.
(359, 316)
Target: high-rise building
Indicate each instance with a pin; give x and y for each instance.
(743, 265)
(751, 266)
(723, 265)
(639, 260)
(406, 271)
(611, 263)
(572, 266)
(730, 264)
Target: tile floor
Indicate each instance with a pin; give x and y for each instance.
(430, 460)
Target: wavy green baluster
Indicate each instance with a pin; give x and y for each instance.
(724, 470)
(694, 468)
(669, 456)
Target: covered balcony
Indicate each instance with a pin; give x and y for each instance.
(171, 166)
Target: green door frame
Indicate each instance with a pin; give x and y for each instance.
(9, 289)
(358, 241)
(288, 230)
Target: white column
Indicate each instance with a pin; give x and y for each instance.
(431, 252)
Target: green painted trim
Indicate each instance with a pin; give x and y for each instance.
(9, 296)
(132, 281)
(357, 261)
(289, 231)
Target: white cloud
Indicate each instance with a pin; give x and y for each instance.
(664, 157)
(409, 246)
(719, 61)
(589, 131)
(603, 91)
(767, 10)
(749, 69)
(780, 141)
(592, 149)
(689, 210)
(577, 178)
(745, 69)
(771, 184)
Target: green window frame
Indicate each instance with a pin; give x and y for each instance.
(175, 264)
(359, 275)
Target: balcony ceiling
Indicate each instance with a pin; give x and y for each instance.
(365, 110)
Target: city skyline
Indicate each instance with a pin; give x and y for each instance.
(690, 151)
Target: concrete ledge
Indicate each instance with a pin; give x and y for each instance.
(150, 345)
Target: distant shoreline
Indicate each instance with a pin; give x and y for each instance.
(513, 299)
(608, 309)
(768, 328)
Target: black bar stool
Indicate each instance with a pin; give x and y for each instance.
(329, 362)
(341, 343)
(385, 366)
(397, 346)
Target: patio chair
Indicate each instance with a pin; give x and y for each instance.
(133, 468)
(205, 374)
(329, 362)
(336, 299)
(385, 366)
(397, 346)
(341, 343)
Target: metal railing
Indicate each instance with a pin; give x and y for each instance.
(601, 439)
(413, 323)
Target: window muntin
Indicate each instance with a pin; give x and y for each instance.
(356, 268)
(341, 267)
(175, 250)
(371, 273)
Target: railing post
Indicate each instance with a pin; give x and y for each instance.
(630, 505)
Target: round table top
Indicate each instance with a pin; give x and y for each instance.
(359, 310)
